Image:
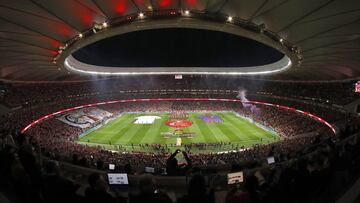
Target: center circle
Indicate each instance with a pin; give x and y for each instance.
(179, 123)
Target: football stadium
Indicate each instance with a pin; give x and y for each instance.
(180, 101)
(177, 129)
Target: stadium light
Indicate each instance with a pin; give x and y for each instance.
(281, 40)
(262, 27)
(141, 15)
(74, 65)
(104, 24)
(81, 35)
(230, 19)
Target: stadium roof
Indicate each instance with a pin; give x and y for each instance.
(326, 32)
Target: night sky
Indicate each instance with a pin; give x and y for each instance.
(177, 47)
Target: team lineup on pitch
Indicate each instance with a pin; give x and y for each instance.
(166, 128)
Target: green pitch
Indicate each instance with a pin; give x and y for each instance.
(123, 132)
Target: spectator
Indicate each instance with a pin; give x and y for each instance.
(197, 192)
(148, 192)
(56, 187)
(235, 195)
(99, 190)
(173, 168)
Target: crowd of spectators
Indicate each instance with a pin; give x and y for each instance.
(312, 166)
(35, 94)
(56, 139)
(282, 121)
(318, 176)
(316, 173)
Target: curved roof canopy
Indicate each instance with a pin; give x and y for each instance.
(325, 33)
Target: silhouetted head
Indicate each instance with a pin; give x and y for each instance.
(173, 163)
(147, 184)
(197, 186)
(97, 182)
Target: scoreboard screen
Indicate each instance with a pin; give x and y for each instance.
(357, 87)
